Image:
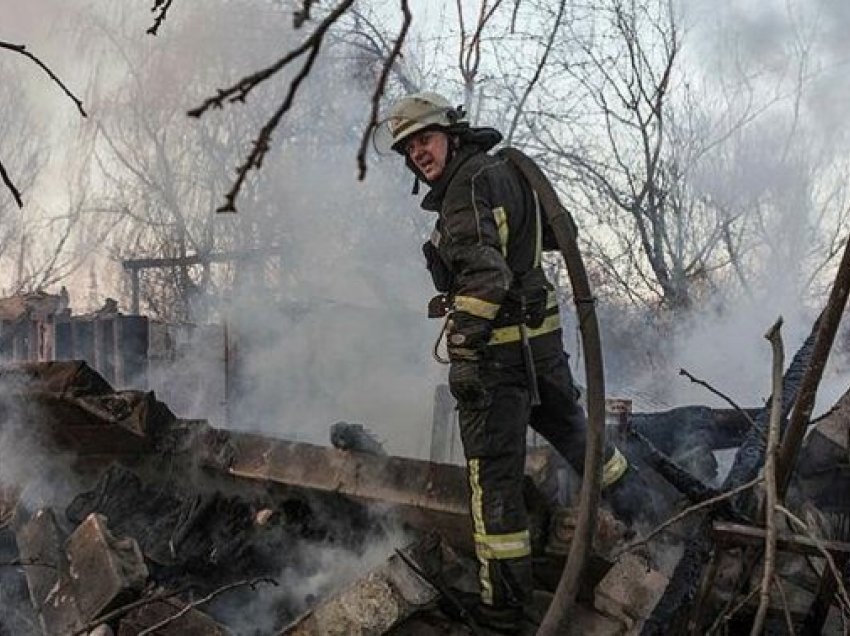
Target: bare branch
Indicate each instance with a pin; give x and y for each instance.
(8, 183)
(252, 583)
(240, 90)
(839, 579)
(20, 48)
(302, 15)
(379, 90)
(719, 394)
(126, 609)
(774, 334)
(27, 563)
(786, 610)
(548, 49)
(160, 7)
(687, 512)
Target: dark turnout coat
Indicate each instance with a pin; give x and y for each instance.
(486, 247)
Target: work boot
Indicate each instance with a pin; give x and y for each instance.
(500, 620)
(497, 620)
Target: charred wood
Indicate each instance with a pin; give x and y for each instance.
(686, 577)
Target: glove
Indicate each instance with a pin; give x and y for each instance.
(467, 338)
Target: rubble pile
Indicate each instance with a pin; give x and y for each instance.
(175, 527)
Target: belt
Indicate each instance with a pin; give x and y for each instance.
(504, 335)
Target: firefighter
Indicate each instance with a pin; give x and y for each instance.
(508, 368)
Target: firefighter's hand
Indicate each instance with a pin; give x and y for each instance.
(466, 338)
(467, 385)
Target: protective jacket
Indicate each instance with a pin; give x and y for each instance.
(485, 251)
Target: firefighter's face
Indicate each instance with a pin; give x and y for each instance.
(429, 151)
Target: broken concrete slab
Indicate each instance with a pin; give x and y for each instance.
(192, 622)
(378, 602)
(630, 590)
(105, 571)
(40, 548)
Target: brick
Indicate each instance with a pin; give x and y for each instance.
(192, 623)
(374, 604)
(105, 571)
(630, 590)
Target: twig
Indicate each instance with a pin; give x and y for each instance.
(239, 91)
(774, 335)
(842, 591)
(302, 15)
(252, 583)
(162, 6)
(537, 72)
(126, 609)
(27, 563)
(728, 616)
(22, 49)
(514, 16)
(8, 183)
(686, 512)
(379, 90)
(786, 610)
(719, 394)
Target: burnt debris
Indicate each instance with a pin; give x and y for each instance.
(170, 526)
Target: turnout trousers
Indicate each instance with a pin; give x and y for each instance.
(494, 443)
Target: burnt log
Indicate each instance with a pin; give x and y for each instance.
(686, 577)
(685, 426)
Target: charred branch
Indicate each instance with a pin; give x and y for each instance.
(684, 582)
(828, 326)
(679, 478)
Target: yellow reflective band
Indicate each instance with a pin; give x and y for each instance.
(476, 307)
(551, 299)
(477, 496)
(614, 468)
(478, 524)
(504, 335)
(503, 546)
(502, 225)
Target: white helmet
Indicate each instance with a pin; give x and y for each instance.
(419, 111)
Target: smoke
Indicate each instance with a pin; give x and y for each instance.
(314, 572)
(32, 468)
